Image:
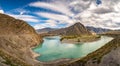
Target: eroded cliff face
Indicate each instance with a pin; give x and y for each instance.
(16, 39)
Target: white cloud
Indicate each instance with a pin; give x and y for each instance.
(27, 18)
(1, 11)
(87, 12)
(44, 25)
(58, 17)
(53, 16)
(47, 23)
(52, 22)
(104, 16)
(55, 6)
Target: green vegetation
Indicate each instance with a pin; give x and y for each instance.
(69, 37)
(83, 38)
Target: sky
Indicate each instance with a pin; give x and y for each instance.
(62, 13)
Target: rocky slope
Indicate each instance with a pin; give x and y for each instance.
(74, 30)
(16, 38)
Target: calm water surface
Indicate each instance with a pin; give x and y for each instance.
(52, 49)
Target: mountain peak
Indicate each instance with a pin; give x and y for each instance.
(78, 24)
(76, 29)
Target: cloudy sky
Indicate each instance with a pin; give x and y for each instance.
(63, 13)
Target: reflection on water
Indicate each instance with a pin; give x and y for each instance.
(53, 49)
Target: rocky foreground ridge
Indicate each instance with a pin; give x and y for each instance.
(16, 38)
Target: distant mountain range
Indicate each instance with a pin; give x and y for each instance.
(90, 28)
(76, 29)
(45, 30)
(97, 30)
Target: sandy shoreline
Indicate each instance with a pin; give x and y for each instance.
(55, 62)
(34, 54)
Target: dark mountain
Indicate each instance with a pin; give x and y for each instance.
(45, 30)
(97, 30)
(76, 29)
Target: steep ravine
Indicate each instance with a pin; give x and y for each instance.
(16, 39)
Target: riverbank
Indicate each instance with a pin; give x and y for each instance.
(101, 57)
(79, 39)
(34, 55)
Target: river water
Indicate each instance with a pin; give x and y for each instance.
(52, 49)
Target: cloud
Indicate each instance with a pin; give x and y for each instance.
(79, 5)
(1, 11)
(53, 16)
(105, 15)
(44, 25)
(50, 23)
(58, 18)
(28, 18)
(103, 10)
(55, 6)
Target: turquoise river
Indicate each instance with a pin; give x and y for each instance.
(52, 49)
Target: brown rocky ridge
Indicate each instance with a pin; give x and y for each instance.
(16, 39)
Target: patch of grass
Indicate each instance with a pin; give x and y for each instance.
(82, 38)
(69, 37)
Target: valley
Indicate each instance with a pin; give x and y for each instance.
(20, 45)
